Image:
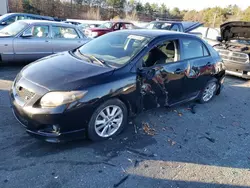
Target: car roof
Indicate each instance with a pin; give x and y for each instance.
(47, 22)
(154, 33)
(27, 14)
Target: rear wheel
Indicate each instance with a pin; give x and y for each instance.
(209, 91)
(108, 120)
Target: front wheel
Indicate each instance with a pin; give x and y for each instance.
(209, 91)
(108, 120)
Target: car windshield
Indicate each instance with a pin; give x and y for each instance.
(115, 49)
(106, 25)
(13, 29)
(3, 17)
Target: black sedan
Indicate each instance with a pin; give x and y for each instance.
(91, 91)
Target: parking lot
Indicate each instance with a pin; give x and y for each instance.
(202, 146)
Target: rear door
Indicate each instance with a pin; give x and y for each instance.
(65, 38)
(200, 65)
(34, 47)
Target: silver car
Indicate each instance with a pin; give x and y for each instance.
(29, 40)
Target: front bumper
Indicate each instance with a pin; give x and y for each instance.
(58, 124)
(238, 69)
(44, 131)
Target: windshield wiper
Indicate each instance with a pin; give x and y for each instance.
(92, 58)
(100, 61)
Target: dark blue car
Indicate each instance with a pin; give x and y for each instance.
(93, 90)
(10, 18)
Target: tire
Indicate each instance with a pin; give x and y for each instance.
(98, 123)
(205, 96)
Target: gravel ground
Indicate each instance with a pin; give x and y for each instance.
(160, 148)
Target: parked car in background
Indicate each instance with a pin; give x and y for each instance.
(108, 27)
(10, 18)
(180, 26)
(29, 40)
(72, 22)
(210, 35)
(234, 48)
(85, 26)
(91, 91)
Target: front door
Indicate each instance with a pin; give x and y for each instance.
(162, 75)
(36, 46)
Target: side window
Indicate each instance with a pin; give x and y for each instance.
(193, 48)
(39, 31)
(64, 33)
(32, 18)
(128, 26)
(212, 34)
(117, 26)
(175, 27)
(20, 18)
(29, 18)
(165, 26)
(167, 52)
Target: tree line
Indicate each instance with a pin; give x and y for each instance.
(127, 9)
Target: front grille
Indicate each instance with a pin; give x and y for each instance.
(24, 94)
(234, 57)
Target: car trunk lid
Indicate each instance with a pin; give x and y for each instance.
(189, 26)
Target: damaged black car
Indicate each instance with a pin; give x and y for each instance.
(235, 48)
(93, 90)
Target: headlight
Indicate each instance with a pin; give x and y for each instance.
(93, 34)
(53, 99)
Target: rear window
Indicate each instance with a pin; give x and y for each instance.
(64, 33)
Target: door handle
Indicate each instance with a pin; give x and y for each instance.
(178, 71)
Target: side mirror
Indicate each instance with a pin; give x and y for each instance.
(219, 39)
(27, 34)
(3, 23)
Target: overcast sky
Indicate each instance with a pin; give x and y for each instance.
(200, 4)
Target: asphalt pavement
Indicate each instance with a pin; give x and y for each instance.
(192, 145)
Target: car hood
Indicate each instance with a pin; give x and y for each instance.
(189, 26)
(63, 71)
(235, 30)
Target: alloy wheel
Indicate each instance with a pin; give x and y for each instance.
(108, 121)
(209, 91)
